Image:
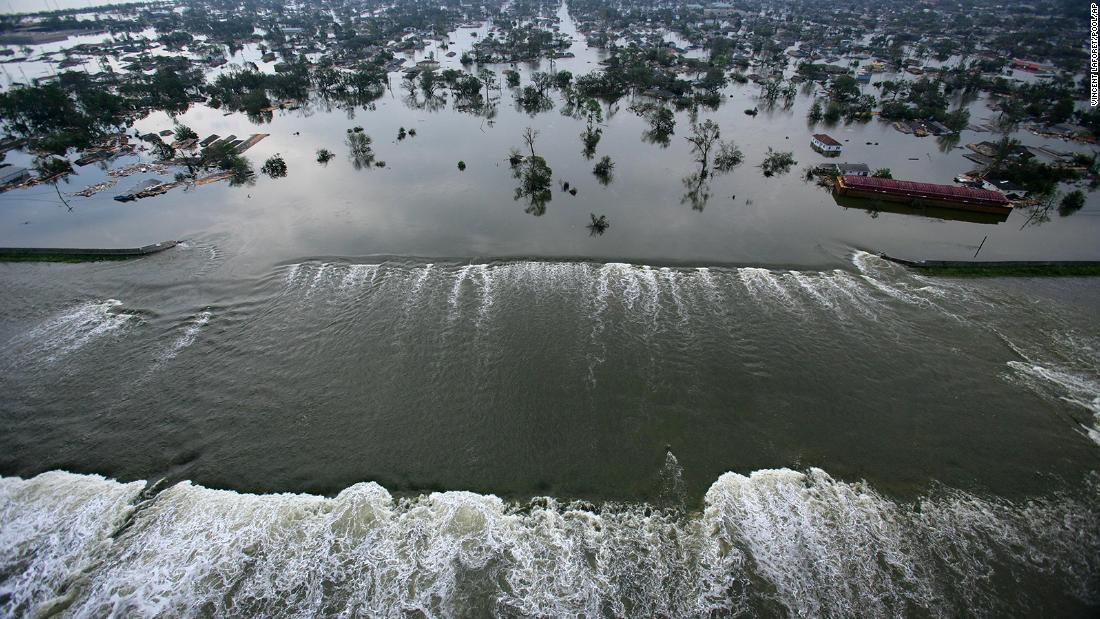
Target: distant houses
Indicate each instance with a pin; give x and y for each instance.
(824, 144)
(1029, 65)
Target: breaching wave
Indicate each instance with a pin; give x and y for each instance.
(776, 542)
(665, 293)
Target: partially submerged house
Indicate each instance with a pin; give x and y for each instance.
(10, 174)
(824, 144)
(844, 169)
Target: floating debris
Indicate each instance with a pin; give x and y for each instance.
(138, 168)
(213, 178)
(91, 190)
(146, 189)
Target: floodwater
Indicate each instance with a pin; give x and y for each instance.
(422, 205)
(33, 6)
(393, 391)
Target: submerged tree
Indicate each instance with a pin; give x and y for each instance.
(534, 175)
(275, 166)
(705, 141)
(815, 114)
(661, 121)
(598, 225)
(324, 155)
(529, 135)
(703, 137)
(359, 147)
(728, 157)
(777, 162)
(184, 133)
(603, 169)
(590, 137)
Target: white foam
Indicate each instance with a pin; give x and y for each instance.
(486, 294)
(812, 286)
(421, 277)
(359, 274)
(292, 273)
(53, 528)
(766, 287)
(857, 295)
(76, 327)
(189, 334)
(671, 278)
(709, 285)
(776, 539)
(318, 276)
(1075, 387)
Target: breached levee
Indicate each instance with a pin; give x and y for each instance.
(773, 543)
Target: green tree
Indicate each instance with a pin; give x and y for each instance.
(603, 169)
(703, 137)
(275, 166)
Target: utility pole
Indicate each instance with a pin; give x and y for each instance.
(981, 245)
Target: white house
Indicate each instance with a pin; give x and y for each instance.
(825, 144)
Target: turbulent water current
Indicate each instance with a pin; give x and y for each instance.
(336, 437)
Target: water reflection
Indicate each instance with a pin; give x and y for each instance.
(875, 207)
(947, 142)
(662, 122)
(696, 191)
(360, 152)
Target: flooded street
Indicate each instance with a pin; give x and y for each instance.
(420, 204)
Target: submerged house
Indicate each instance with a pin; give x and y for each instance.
(1010, 189)
(10, 174)
(844, 169)
(824, 144)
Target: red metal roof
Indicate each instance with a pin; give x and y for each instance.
(826, 140)
(924, 190)
(1026, 64)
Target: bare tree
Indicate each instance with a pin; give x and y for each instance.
(703, 137)
(529, 136)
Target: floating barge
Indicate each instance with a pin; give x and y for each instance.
(923, 194)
